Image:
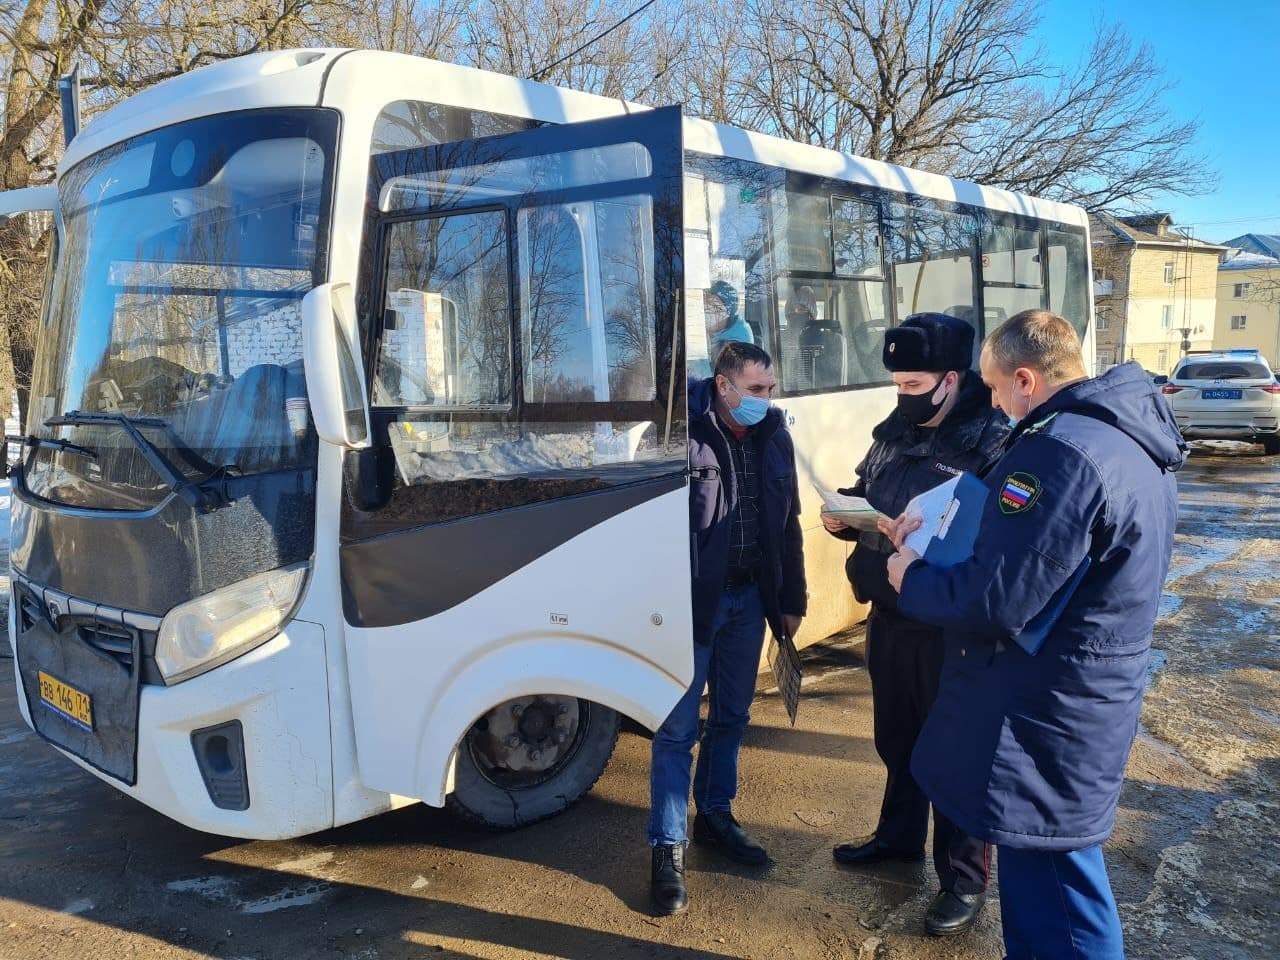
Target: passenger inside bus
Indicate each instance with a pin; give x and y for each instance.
(724, 322)
(819, 343)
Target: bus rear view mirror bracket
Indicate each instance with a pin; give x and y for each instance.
(368, 477)
(335, 377)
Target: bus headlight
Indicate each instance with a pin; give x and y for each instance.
(220, 626)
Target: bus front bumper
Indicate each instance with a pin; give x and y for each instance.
(279, 694)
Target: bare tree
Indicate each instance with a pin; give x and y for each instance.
(550, 40)
(945, 85)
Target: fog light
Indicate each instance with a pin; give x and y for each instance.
(220, 756)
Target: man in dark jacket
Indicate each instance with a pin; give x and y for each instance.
(748, 569)
(1028, 751)
(943, 425)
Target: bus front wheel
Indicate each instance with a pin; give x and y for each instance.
(529, 758)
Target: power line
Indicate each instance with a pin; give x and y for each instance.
(539, 74)
(1216, 223)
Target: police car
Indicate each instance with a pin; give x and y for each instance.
(1226, 395)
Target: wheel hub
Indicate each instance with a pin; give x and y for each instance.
(527, 737)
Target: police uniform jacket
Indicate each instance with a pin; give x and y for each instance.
(906, 460)
(1029, 751)
(713, 497)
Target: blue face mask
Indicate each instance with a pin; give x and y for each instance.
(750, 410)
(1015, 420)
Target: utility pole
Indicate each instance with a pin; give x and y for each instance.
(1186, 327)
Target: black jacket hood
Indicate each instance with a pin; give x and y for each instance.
(1125, 398)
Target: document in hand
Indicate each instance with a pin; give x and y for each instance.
(952, 512)
(785, 661)
(856, 512)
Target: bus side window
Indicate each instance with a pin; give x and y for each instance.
(1068, 277)
(932, 251)
(587, 303)
(728, 244)
(833, 306)
(1011, 272)
(450, 345)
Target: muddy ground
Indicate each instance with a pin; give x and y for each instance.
(87, 873)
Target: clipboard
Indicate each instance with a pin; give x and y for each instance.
(787, 672)
(951, 541)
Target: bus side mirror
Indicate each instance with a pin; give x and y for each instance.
(335, 377)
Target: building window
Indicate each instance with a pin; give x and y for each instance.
(1168, 273)
(1166, 316)
(1238, 323)
(1162, 361)
(1105, 360)
(1104, 324)
(1240, 291)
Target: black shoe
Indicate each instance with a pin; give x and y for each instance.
(718, 829)
(666, 879)
(952, 913)
(871, 850)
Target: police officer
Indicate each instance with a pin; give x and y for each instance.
(943, 425)
(1027, 750)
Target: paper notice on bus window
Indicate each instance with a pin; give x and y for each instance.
(697, 262)
(934, 507)
(695, 335)
(410, 305)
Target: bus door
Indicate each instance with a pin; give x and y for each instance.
(524, 554)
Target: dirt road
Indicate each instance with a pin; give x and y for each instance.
(88, 874)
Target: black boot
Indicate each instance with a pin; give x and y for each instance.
(952, 912)
(666, 879)
(871, 849)
(718, 828)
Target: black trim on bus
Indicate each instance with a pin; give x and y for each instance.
(324, 80)
(414, 574)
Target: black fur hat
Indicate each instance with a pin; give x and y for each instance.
(934, 342)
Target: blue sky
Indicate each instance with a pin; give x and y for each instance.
(1223, 57)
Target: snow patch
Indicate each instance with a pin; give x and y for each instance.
(303, 864)
(299, 896)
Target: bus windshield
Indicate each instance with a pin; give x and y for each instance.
(175, 307)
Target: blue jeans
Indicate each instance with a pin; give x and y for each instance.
(727, 667)
(1058, 906)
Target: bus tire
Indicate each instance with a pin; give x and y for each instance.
(488, 792)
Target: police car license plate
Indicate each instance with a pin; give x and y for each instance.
(1221, 394)
(75, 705)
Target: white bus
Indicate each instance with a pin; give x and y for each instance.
(355, 470)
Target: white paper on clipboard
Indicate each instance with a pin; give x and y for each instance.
(933, 506)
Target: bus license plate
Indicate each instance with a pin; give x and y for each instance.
(1221, 394)
(65, 699)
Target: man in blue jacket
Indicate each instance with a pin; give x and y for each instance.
(1028, 751)
(748, 569)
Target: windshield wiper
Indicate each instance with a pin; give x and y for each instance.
(192, 492)
(31, 440)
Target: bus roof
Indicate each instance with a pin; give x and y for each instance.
(341, 79)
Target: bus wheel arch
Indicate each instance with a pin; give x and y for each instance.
(546, 740)
(505, 778)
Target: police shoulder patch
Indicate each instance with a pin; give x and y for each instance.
(1019, 493)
